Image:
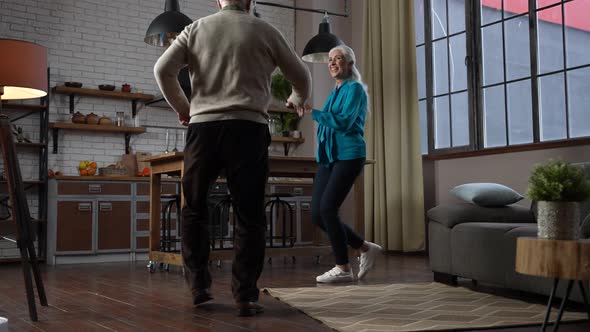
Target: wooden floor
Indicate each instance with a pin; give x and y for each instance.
(126, 297)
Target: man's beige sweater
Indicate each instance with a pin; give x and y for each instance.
(231, 56)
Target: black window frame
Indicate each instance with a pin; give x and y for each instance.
(475, 85)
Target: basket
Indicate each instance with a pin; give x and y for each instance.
(112, 171)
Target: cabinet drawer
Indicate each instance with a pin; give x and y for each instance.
(296, 190)
(93, 188)
(114, 225)
(143, 189)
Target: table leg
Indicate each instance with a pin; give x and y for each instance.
(553, 290)
(583, 291)
(562, 306)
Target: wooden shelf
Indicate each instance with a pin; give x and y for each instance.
(30, 145)
(133, 97)
(128, 131)
(283, 139)
(102, 128)
(64, 90)
(24, 107)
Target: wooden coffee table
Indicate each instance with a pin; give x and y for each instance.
(557, 259)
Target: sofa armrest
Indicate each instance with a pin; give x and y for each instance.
(450, 215)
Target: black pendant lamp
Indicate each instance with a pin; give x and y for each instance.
(319, 46)
(166, 26)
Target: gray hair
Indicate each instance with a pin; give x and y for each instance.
(348, 54)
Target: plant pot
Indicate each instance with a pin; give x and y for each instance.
(558, 220)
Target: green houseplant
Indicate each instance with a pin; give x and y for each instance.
(557, 187)
(281, 90)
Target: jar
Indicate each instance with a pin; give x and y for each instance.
(120, 119)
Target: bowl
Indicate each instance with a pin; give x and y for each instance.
(106, 87)
(73, 84)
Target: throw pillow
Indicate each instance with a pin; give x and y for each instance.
(486, 194)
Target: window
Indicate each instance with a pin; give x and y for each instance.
(496, 73)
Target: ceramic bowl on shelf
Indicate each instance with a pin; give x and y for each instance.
(73, 84)
(106, 87)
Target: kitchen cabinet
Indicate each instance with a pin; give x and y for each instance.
(99, 220)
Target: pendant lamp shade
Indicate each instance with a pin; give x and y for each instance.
(166, 26)
(318, 47)
(23, 69)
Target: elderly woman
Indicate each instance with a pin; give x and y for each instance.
(341, 154)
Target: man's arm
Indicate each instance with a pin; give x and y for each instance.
(166, 72)
(294, 70)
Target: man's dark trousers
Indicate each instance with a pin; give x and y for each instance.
(239, 147)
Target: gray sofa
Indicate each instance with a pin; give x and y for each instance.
(479, 243)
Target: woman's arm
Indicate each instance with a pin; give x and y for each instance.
(354, 104)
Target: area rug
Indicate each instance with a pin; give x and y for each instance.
(412, 307)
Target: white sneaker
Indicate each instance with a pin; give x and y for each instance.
(335, 275)
(367, 259)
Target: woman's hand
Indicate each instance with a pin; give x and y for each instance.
(183, 119)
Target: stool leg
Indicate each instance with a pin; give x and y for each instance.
(583, 291)
(562, 306)
(548, 311)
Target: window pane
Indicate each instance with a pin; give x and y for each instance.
(494, 122)
(439, 18)
(545, 3)
(520, 112)
(419, 21)
(442, 127)
(457, 55)
(577, 32)
(491, 11)
(493, 69)
(578, 92)
(515, 7)
(550, 39)
(460, 119)
(456, 16)
(423, 126)
(552, 107)
(441, 69)
(518, 62)
(421, 72)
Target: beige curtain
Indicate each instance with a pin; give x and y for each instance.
(394, 200)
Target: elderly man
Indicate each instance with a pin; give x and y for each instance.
(231, 56)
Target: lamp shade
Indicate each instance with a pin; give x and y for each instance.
(166, 26)
(318, 47)
(23, 69)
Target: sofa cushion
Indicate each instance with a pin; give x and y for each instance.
(453, 214)
(486, 194)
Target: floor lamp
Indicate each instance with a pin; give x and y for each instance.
(23, 75)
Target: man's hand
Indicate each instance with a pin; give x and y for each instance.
(183, 119)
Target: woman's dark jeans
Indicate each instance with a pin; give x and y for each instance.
(330, 187)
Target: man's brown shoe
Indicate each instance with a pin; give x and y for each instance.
(246, 309)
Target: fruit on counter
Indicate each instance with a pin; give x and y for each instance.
(58, 173)
(145, 172)
(87, 167)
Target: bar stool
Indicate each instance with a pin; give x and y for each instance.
(219, 221)
(280, 208)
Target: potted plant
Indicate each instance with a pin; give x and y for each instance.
(557, 187)
(281, 90)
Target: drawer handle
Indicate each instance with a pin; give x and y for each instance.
(298, 191)
(84, 206)
(103, 206)
(94, 188)
(305, 206)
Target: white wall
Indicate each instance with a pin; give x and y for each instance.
(510, 169)
(101, 42)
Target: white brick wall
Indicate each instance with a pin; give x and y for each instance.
(101, 42)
